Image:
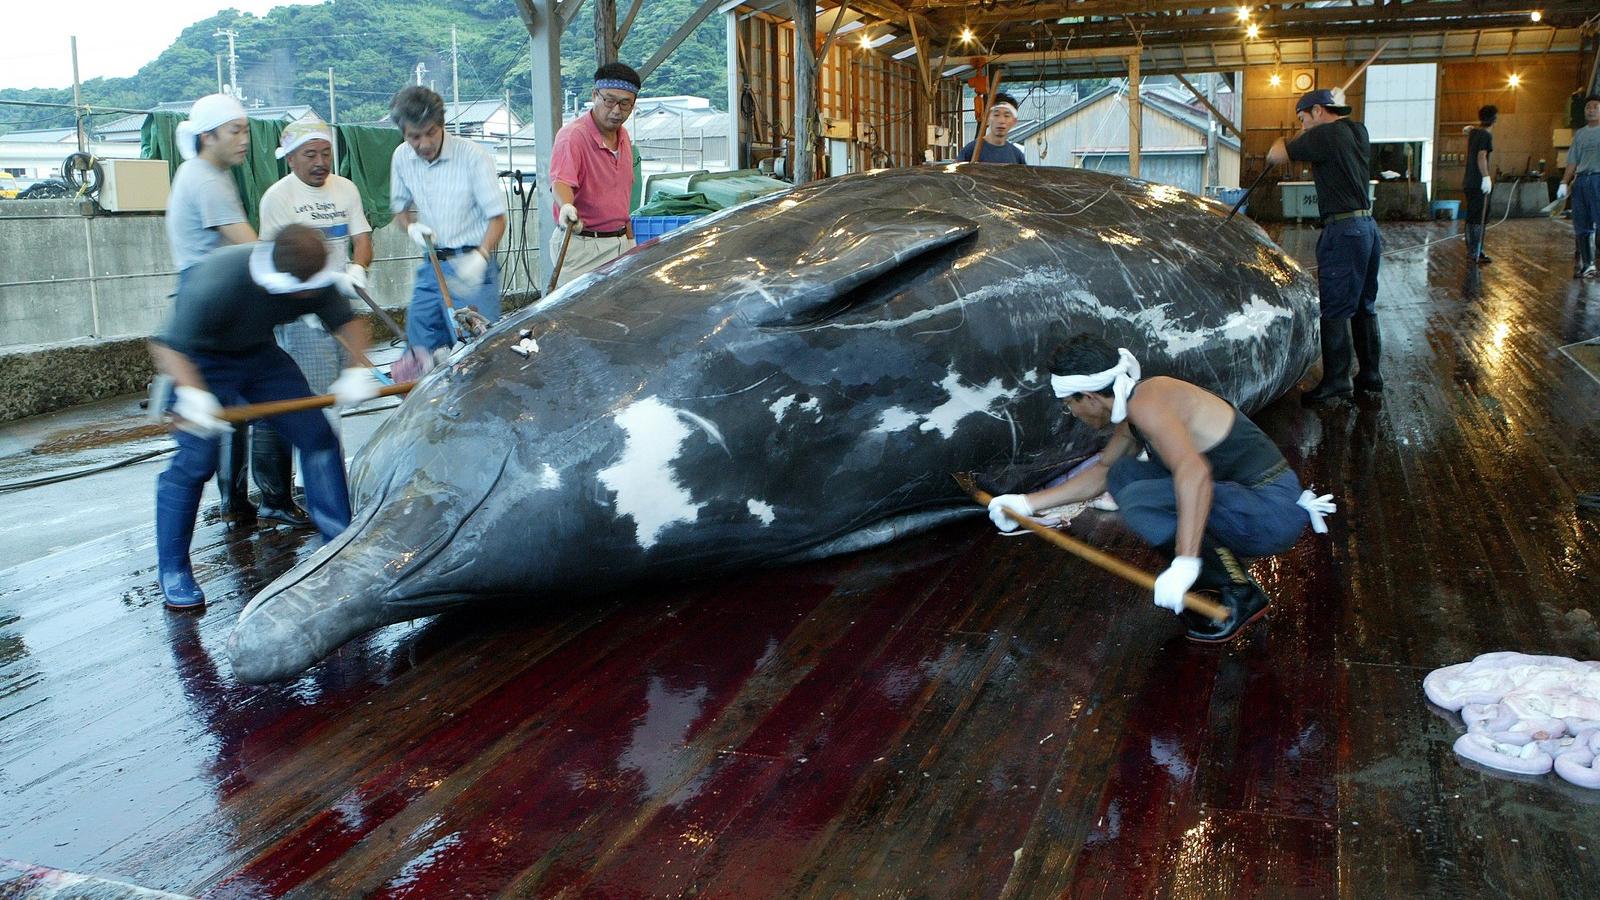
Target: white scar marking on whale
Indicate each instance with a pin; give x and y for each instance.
(781, 406)
(964, 401)
(761, 510)
(896, 418)
(549, 478)
(646, 488)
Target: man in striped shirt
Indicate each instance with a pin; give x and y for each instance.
(444, 187)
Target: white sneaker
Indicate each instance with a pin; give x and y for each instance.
(1589, 272)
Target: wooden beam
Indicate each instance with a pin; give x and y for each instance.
(1135, 115)
(627, 22)
(565, 10)
(833, 30)
(605, 31)
(1212, 109)
(805, 90)
(672, 43)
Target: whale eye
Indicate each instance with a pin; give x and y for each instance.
(802, 399)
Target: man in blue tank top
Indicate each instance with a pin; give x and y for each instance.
(1190, 474)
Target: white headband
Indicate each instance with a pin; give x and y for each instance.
(264, 273)
(1120, 377)
(1002, 103)
(209, 112)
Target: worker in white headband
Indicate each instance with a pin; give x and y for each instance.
(994, 148)
(1211, 488)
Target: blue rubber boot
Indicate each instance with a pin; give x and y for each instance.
(176, 506)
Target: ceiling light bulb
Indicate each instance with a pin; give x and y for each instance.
(1275, 80)
(1244, 13)
(1514, 80)
(966, 35)
(1253, 32)
(866, 40)
(1536, 15)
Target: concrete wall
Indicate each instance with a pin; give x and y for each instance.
(81, 290)
(66, 276)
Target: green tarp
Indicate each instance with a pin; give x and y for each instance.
(666, 204)
(364, 152)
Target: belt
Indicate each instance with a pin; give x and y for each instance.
(1357, 214)
(620, 232)
(447, 252)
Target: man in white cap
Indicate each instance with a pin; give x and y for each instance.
(996, 149)
(1207, 485)
(311, 194)
(218, 345)
(204, 212)
(203, 208)
(443, 188)
(591, 176)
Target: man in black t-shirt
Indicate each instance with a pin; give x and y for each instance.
(1476, 183)
(1348, 251)
(218, 343)
(996, 149)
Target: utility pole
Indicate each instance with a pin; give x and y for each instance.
(333, 108)
(77, 96)
(455, 81)
(233, 62)
(219, 73)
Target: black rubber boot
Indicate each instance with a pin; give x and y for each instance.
(233, 480)
(1475, 246)
(175, 512)
(273, 461)
(1224, 573)
(1369, 347)
(1337, 360)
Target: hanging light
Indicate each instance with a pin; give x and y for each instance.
(1244, 13)
(1514, 80)
(1275, 80)
(1536, 15)
(1253, 32)
(966, 35)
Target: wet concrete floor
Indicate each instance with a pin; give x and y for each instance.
(955, 715)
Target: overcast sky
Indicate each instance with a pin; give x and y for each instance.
(115, 37)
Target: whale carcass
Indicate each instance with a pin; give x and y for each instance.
(794, 377)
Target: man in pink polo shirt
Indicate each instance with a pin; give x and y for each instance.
(591, 173)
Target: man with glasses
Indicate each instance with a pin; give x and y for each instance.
(591, 174)
(444, 187)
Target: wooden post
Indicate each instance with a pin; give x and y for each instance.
(1135, 114)
(805, 90)
(605, 31)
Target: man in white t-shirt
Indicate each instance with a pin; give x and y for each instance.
(311, 194)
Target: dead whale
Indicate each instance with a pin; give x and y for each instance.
(787, 379)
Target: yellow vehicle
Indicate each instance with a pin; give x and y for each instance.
(8, 186)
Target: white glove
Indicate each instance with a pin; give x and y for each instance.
(1484, 187)
(353, 386)
(1316, 507)
(1561, 191)
(420, 234)
(466, 271)
(358, 275)
(197, 409)
(1014, 502)
(569, 217)
(1172, 584)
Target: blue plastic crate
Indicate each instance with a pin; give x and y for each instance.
(648, 228)
(1229, 196)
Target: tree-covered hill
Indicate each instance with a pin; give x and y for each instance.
(374, 47)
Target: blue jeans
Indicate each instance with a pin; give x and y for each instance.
(426, 326)
(256, 377)
(1585, 203)
(1347, 268)
(1257, 520)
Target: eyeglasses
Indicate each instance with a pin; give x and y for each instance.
(616, 102)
